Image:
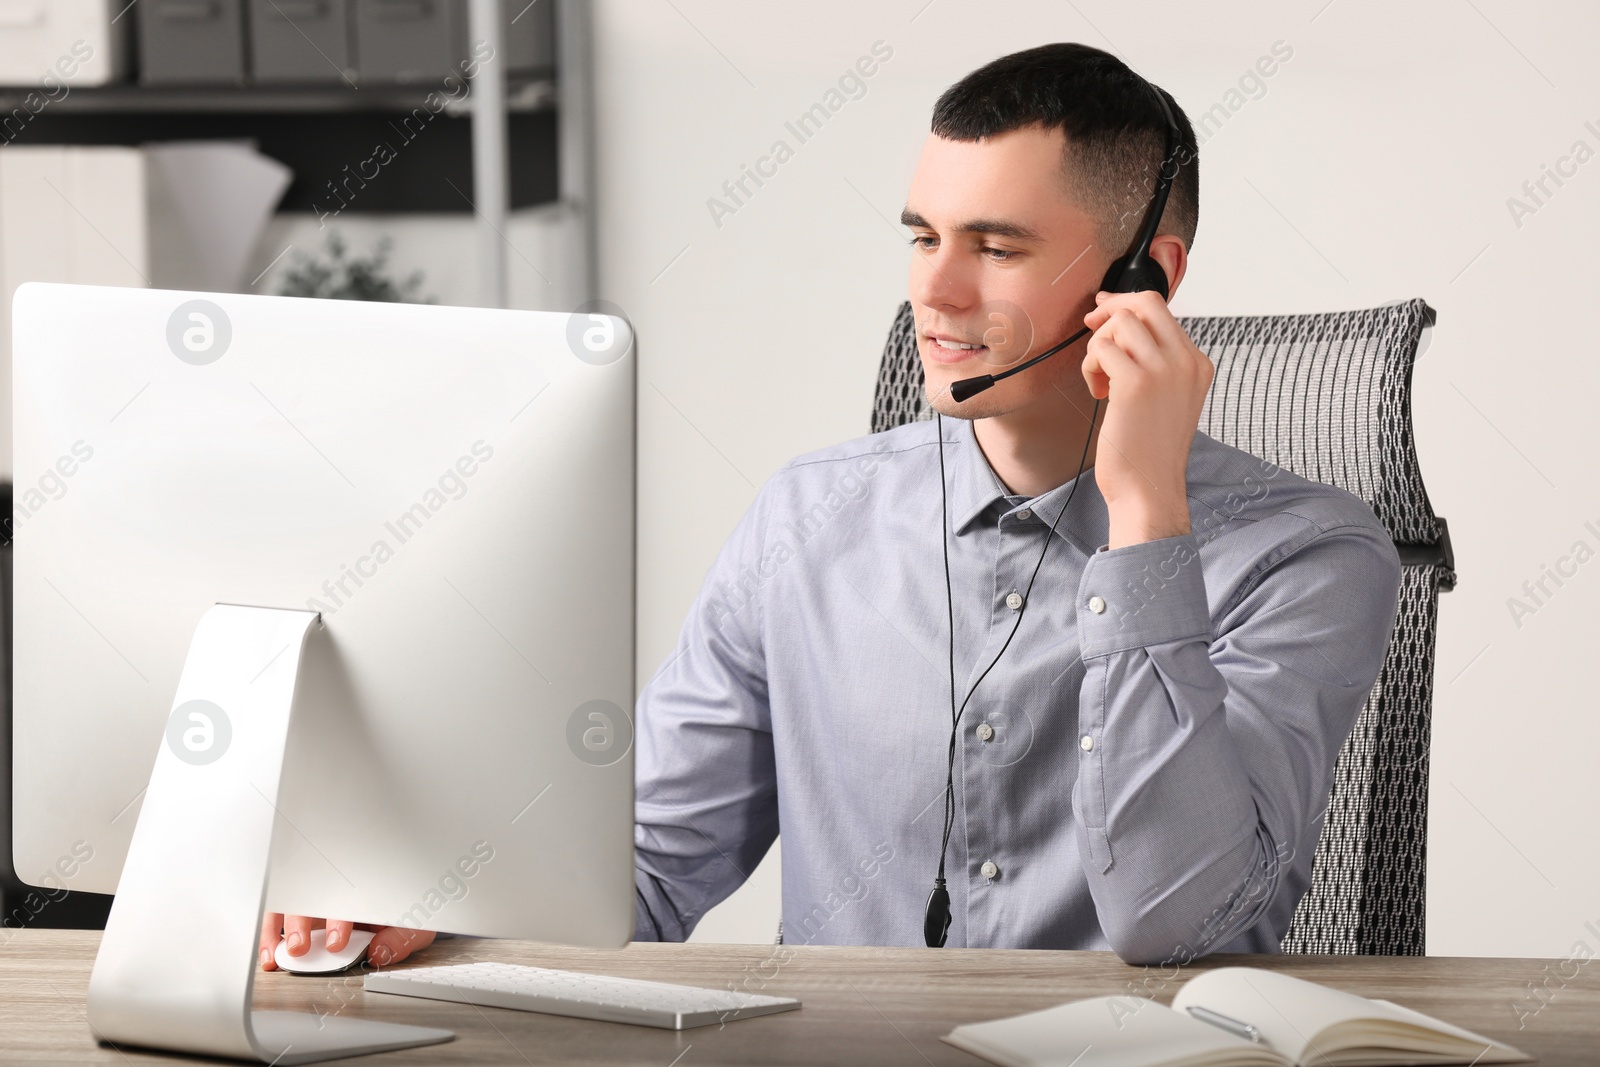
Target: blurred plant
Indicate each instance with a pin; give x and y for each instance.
(337, 275)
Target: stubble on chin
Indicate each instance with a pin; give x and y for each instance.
(942, 402)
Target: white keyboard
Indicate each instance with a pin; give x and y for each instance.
(582, 996)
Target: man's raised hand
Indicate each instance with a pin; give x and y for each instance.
(1155, 381)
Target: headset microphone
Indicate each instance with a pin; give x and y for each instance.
(1132, 273)
(1135, 272)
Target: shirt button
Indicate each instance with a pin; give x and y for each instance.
(1025, 514)
(1014, 601)
(989, 870)
(1097, 605)
(985, 732)
(1086, 743)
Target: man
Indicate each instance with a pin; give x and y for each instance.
(1146, 766)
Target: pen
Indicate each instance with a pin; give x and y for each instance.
(1233, 1026)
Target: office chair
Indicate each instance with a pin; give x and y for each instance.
(1327, 396)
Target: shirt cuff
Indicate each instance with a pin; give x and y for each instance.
(1151, 593)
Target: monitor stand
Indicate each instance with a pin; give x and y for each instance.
(178, 961)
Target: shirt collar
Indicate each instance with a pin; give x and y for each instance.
(975, 489)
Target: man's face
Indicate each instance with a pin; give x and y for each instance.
(1002, 260)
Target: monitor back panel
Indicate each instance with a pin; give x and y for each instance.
(451, 488)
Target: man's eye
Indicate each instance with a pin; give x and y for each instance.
(924, 242)
(1000, 255)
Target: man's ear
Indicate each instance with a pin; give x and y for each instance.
(1169, 251)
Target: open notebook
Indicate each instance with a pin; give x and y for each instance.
(1250, 1017)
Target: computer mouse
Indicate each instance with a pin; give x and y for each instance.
(317, 958)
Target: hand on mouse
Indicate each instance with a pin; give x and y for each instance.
(390, 944)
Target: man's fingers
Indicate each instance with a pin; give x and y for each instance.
(1130, 333)
(1098, 381)
(1103, 361)
(1132, 336)
(1151, 310)
(271, 934)
(297, 933)
(394, 943)
(338, 933)
(1139, 325)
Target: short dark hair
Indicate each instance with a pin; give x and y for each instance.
(1115, 130)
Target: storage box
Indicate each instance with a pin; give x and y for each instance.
(529, 36)
(191, 42)
(55, 45)
(409, 40)
(303, 41)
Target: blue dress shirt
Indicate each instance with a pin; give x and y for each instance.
(1146, 770)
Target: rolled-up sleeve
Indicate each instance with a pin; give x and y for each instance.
(706, 806)
(1209, 732)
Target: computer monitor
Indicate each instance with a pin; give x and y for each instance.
(410, 526)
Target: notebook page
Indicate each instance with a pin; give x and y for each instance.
(1486, 1049)
(1108, 1032)
(1288, 1012)
(1292, 1014)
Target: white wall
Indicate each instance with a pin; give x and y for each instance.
(1376, 166)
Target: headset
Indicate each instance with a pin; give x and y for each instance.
(1132, 273)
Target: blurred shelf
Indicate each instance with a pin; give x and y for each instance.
(523, 95)
(430, 169)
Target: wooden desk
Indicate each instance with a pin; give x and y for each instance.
(862, 1006)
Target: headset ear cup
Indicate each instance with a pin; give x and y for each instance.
(1135, 272)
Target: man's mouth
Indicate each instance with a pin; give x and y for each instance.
(952, 350)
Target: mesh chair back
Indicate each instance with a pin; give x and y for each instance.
(1327, 396)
